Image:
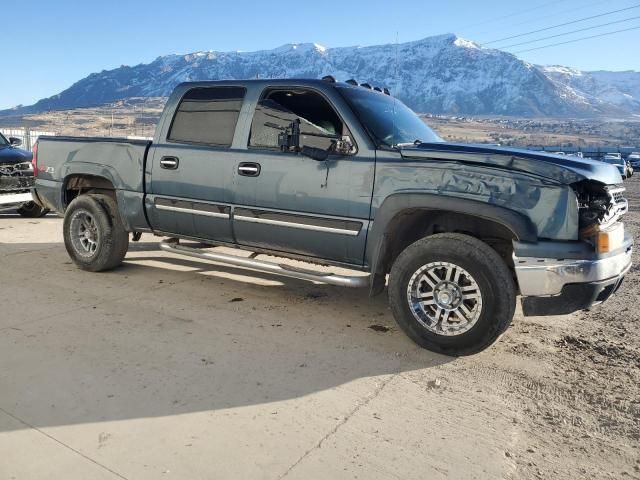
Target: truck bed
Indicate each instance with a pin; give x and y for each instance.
(119, 160)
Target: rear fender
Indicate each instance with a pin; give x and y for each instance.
(92, 177)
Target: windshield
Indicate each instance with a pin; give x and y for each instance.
(389, 120)
(3, 140)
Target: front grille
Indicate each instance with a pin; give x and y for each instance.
(15, 184)
(600, 206)
(618, 202)
(618, 196)
(11, 169)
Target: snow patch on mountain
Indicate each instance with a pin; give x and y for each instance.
(441, 74)
(619, 89)
(461, 42)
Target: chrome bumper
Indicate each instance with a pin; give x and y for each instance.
(546, 276)
(13, 200)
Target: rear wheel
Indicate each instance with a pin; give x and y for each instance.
(32, 210)
(451, 293)
(93, 233)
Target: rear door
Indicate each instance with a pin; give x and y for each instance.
(191, 169)
(289, 202)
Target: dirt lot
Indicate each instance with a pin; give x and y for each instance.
(169, 368)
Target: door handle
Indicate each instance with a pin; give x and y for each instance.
(249, 169)
(169, 163)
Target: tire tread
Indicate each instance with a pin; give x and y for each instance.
(459, 246)
(115, 239)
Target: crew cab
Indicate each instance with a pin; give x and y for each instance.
(344, 174)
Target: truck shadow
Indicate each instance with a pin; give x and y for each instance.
(165, 336)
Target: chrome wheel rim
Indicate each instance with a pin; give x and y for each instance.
(444, 298)
(84, 233)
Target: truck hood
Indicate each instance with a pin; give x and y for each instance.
(555, 167)
(10, 155)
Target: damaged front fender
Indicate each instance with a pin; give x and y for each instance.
(550, 205)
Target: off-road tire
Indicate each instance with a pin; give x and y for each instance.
(32, 210)
(491, 274)
(112, 238)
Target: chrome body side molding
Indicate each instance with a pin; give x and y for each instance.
(303, 226)
(170, 208)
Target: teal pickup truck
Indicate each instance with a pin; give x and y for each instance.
(344, 174)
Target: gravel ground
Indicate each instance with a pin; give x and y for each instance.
(172, 368)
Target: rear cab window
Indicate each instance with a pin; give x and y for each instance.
(320, 125)
(207, 116)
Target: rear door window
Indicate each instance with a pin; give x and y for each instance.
(207, 116)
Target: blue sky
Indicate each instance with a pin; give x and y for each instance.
(48, 45)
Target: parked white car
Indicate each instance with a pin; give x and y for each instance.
(616, 160)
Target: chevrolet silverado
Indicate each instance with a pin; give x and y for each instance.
(344, 174)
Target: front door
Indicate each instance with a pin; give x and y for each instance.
(289, 202)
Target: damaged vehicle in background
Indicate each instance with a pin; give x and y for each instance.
(16, 179)
(344, 174)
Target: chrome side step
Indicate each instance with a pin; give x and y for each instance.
(264, 266)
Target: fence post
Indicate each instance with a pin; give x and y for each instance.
(27, 138)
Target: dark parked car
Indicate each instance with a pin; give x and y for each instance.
(345, 174)
(16, 179)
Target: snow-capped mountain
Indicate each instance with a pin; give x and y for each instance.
(621, 89)
(441, 74)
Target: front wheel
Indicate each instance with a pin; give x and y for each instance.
(452, 293)
(93, 233)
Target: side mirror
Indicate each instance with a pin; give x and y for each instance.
(16, 142)
(315, 153)
(290, 138)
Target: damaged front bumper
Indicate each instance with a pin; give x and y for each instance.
(16, 183)
(11, 201)
(15, 190)
(573, 279)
